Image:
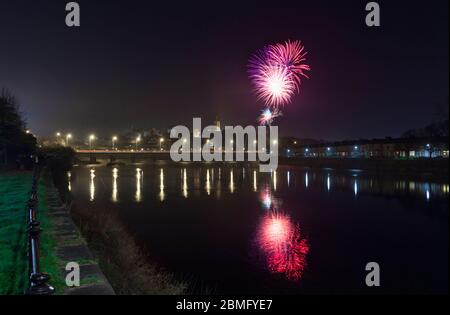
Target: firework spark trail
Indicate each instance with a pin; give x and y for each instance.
(292, 56)
(267, 116)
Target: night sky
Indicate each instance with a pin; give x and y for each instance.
(150, 64)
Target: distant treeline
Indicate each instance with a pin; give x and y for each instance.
(16, 144)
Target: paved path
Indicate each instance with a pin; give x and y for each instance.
(71, 247)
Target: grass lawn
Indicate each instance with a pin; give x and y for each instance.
(14, 193)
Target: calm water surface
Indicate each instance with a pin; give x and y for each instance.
(231, 229)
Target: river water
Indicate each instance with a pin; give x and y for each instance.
(230, 229)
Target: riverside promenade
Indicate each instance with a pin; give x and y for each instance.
(71, 247)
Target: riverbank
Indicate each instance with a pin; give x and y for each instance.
(14, 193)
(124, 262)
(429, 169)
(70, 246)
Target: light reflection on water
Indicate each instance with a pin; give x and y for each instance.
(69, 178)
(208, 183)
(185, 185)
(139, 182)
(162, 196)
(92, 186)
(114, 186)
(231, 181)
(340, 182)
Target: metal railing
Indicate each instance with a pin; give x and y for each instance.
(38, 281)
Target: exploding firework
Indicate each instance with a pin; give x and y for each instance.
(291, 56)
(268, 115)
(284, 249)
(272, 84)
(276, 72)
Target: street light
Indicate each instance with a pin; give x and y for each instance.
(429, 150)
(138, 139)
(91, 138)
(161, 140)
(114, 139)
(58, 138)
(68, 137)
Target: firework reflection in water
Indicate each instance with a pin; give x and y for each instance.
(283, 247)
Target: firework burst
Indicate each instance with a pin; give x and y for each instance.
(276, 72)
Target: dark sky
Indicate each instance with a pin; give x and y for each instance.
(151, 64)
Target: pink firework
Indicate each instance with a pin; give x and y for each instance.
(267, 116)
(276, 72)
(273, 84)
(292, 56)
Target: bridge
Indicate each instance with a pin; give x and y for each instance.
(112, 156)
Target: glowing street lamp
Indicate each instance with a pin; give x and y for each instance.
(161, 140)
(91, 138)
(68, 137)
(138, 139)
(114, 139)
(58, 138)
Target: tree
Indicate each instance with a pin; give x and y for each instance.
(438, 128)
(13, 138)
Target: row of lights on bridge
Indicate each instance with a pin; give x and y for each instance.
(114, 139)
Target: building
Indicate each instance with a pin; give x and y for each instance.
(393, 148)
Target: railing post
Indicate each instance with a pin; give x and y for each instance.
(38, 282)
